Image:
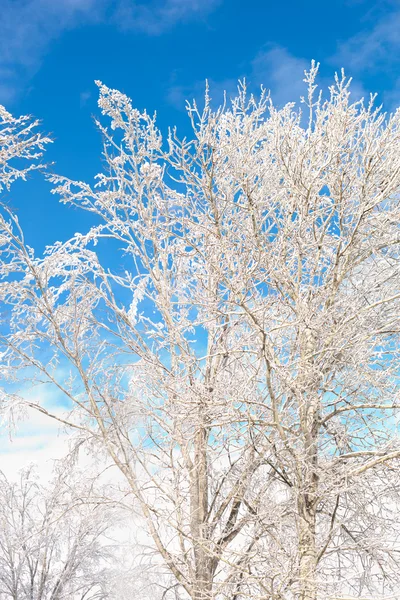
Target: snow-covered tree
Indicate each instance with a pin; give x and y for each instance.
(233, 346)
(50, 540)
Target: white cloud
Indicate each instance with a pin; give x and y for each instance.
(281, 72)
(28, 28)
(84, 98)
(274, 68)
(178, 95)
(160, 15)
(36, 438)
(372, 48)
(375, 47)
(391, 98)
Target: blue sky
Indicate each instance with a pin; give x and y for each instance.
(160, 52)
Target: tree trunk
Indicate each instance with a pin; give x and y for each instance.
(199, 510)
(307, 507)
(307, 549)
(307, 510)
(308, 478)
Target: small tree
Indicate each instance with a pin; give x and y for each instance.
(50, 541)
(240, 366)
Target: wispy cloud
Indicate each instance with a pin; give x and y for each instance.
(281, 72)
(177, 94)
(377, 45)
(28, 28)
(37, 438)
(273, 68)
(160, 15)
(374, 49)
(84, 98)
(391, 98)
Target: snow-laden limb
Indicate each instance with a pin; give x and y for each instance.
(20, 147)
(238, 361)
